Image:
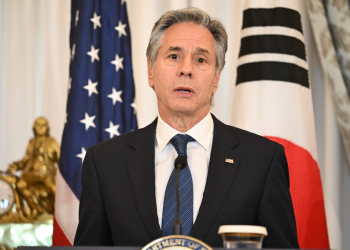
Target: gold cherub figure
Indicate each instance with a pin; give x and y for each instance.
(36, 184)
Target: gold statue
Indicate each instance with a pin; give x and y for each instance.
(36, 184)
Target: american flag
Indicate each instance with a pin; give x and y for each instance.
(100, 102)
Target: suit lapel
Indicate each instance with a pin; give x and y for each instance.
(142, 179)
(219, 180)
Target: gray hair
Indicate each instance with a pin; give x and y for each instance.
(193, 15)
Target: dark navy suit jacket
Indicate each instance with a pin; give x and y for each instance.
(118, 203)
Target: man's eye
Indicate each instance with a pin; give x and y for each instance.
(201, 60)
(173, 56)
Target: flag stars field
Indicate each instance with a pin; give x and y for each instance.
(96, 21)
(73, 52)
(82, 154)
(69, 84)
(94, 54)
(91, 87)
(112, 130)
(115, 96)
(133, 105)
(76, 18)
(121, 29)
(118, 62)
(88, 121)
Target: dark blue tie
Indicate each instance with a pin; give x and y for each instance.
(179, 142)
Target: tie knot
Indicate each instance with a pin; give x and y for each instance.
(180, 141)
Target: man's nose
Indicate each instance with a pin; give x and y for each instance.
(186, 67)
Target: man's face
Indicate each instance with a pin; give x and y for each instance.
(183, 75)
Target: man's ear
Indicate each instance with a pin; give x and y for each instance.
(150, 73)
(216, 81)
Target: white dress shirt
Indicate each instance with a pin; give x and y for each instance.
(198, 156)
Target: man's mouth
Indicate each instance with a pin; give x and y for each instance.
(184, 91)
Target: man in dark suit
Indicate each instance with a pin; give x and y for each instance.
(232, 177)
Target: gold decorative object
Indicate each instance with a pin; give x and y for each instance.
(31, 196)
(13, 235)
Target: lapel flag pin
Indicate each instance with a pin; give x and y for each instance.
(229, 160)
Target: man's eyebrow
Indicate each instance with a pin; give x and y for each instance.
(201, 50)
(179, 48)
(174, 48)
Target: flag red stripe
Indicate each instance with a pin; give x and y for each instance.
(307, 196)
(58, 237)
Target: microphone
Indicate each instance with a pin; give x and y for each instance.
(180, 163)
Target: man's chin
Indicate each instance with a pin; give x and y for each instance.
(188, 111)
(183, 109)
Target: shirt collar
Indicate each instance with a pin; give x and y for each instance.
(202, 132)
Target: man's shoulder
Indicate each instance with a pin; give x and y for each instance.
(243, 136)
(127, 139)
